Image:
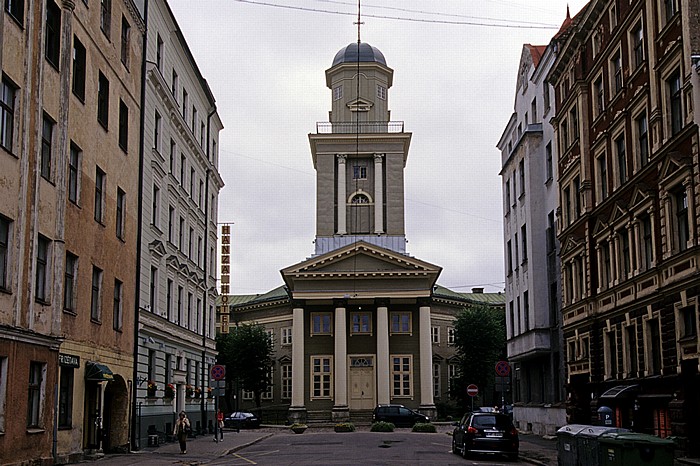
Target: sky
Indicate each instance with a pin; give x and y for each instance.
(455, 64)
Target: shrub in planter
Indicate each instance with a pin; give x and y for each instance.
(169, 391)
(424, 427)
(382, 426)
(345, 427)
(298, 428)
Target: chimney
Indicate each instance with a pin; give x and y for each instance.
(477, 290)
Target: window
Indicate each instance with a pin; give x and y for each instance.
(16, 9)
(95, 306)
(551, 233)
(360, 323)
(549, 162)
(79, 63)
(450, 336)
(626, 254)
(653, 347)
(70, 287)
(169, 300)
(201, 194)
(100, 177)
(359, 172)
(151, 370)
(435, 335)
(159, 53)
(74, 173)
(643, 139)
(185, 103)
(286, 336)
(638, 45)
(190, 239)
(286, 381)
(621, 159)
(201, 135)
(188, 324)
(577, 197)
(647, 244)
(602, 177)
(599, 96)
(573, 120)
(194, 118)
(126, 33)
(629, 347)
(680, 197)
(192, 181)
(401, 322)
(155, 207)
(381, 92)
(168, 368)
(613, 16)
(121, 217)
(321, 376)
(268, 393)
(564, 127)
(507, 195)
(103, 100)
(42, 269)
(7, 114)
(606, 266)
(46, 146)
(35, 403)
(436, 380)
(337, 92)
(153, 289)
(65, 398)
(675, 104)
(509, 257)
(616, 68)
(610, 348)
(52, 41)
(172, 157)
(123, 126)
(670, 9)
(173, 84)
(523, 238)
(545, 97)
(688, 321)
(533, 110)
(521, 170)
(171, 223)
(106, 16)
(401, 369)
(526, 310)
(5, 225)
(321, 323)
(181, 237)
(183, 164)
(117, 307)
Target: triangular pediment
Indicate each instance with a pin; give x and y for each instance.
(156, 247)
(619, 212)
(641, 195)
(571, 243)
(600, 227)
(674, 163)
(360, 105)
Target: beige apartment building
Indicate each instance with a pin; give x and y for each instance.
(71, 93)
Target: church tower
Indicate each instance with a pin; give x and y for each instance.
(359, 156)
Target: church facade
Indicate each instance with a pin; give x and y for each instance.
(360, 322)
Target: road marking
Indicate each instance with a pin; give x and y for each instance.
(244, 459)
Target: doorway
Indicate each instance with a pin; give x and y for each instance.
(361, 380)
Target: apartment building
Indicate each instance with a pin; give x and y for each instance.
(71, 88)
(628, 157)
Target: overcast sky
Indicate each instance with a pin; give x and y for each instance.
(455, 71)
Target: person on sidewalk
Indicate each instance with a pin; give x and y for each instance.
(182, 430)
(220, 425)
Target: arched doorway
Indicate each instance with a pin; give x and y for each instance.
(115, 425)
(360, 214)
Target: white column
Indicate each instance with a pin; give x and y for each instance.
(426, 358)
(383, 362)
(378, 194)
(342, 195)
(341, 357)
(297, 357)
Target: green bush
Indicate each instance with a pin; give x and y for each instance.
(345, 427)
(424, 427)
(382, 426)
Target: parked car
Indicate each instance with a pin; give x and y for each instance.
(242, 420)
(485, 433)
(399, 415)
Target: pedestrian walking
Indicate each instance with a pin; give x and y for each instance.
(182, 430)
(220, 423)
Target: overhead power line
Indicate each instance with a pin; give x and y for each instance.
(511, 25)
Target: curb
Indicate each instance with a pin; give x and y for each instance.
(525, 459)
(246, 445)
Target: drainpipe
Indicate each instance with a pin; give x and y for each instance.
(205, 306)
(137, 291)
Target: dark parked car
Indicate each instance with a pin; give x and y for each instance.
(242, 420)
(485, 433)
(399, 415)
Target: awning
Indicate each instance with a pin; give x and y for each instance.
(98, 372)
(620, 391)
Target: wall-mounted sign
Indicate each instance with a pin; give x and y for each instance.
(68, 360)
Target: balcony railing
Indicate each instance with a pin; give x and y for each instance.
(349, 127)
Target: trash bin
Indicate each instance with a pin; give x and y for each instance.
(567, 449)
(587, 444)
(623, 448)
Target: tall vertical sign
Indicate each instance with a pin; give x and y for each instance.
(225, 258)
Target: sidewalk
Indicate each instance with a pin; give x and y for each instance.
(538, 450)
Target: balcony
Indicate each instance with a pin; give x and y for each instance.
(362, 127)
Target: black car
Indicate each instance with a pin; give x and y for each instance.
(399, 415)
(485, 433)
(242, 420)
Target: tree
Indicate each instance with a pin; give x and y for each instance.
(247, 354)
(480, 340)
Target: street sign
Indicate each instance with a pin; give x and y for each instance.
(502, 369)
(472, 390)
(218, 372)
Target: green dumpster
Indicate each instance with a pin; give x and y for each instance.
(567, 449)
(588, 445)
(625, 448)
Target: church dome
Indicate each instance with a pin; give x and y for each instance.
(367, 54)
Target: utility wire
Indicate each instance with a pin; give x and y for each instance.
(399, 18)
